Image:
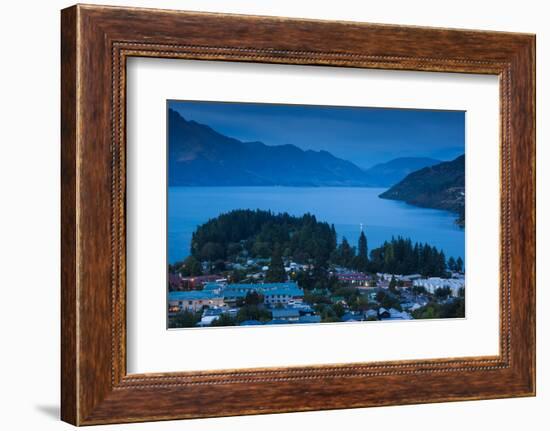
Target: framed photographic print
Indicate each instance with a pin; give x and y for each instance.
(327, 214)
(258, 234)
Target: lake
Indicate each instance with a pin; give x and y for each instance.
(346, 207)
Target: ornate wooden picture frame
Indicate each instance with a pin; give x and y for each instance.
(96, 41)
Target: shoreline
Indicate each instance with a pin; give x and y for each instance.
(378, 229)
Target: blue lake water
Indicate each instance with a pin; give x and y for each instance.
(347, 208)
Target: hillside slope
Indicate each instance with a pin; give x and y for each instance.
(441, 186)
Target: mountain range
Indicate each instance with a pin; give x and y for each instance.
(201, 156)
(441, 186)
(390, 173)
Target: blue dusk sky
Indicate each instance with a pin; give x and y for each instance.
(364, 136)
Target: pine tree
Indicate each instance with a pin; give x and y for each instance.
(345, 253)
(459, 264)
(389, 257)
(441, 266)
(362, 247)
(451, 264)
(362, 257)
(276, 272)
(334, 237)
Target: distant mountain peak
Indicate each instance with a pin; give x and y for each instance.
(201, 156)
(389, 173)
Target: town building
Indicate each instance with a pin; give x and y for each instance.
(383, 313)
(273, 293)
(398, 315)
(210, 315)
(353, 278)
(219, 294)
(293, 267)
(371, 314)
(352, 316)
(286, 314)
(314, 318)
(214, 287)
(393, 314)
(431, 284)
(177, 282)
(193, 300)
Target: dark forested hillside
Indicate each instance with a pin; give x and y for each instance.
(441, 186)
(263, 234)
(260, 233)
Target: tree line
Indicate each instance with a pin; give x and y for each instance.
(259, 233)
(397, 256)
(275, 237)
